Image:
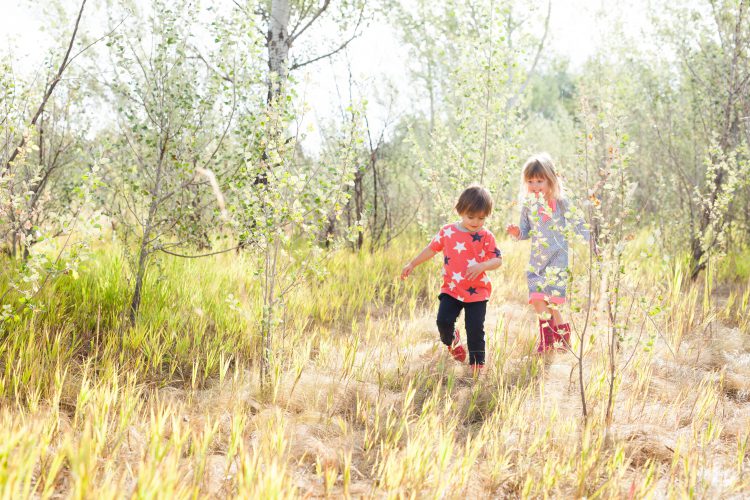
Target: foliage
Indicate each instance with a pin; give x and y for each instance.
(189, 154)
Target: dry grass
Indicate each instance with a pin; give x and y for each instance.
(365, 402)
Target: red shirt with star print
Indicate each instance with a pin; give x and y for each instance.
(462, 249)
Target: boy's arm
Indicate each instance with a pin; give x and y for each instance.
(473, 272)
(493, 263)
(423, 256)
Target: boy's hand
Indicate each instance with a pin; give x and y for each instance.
(406, 271)
(473, 271)
(513, 231)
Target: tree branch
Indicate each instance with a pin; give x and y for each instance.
(185, 256)
(341, 47)
(293, 36)
(540, 47)
(48, 93)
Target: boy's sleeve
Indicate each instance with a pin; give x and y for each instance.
(436, 245)
(525, 224)
(490, 247)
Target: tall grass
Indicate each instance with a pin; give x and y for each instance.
(365, 402)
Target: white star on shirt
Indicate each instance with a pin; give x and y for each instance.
(486, 279)
(457, 277)
(471, 262)
(451, 285)
(436, 239)
(481, 254)
(460, 247)
(448, 232)
(461, 299)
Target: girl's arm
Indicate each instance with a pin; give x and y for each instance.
(583, 229)
(525, 226)
(520, 232)
(579, 224)
(423, 256)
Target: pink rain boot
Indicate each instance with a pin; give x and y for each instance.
(546, 337)
(562, 335)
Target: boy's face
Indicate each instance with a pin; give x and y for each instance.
(473, 222)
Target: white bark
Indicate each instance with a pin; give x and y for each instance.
(278, 47)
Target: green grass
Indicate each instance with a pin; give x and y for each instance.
(735, 266)
(363, 400)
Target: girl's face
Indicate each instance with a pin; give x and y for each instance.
(538, 186)
(473, 222)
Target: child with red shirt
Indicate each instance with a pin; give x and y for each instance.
(468, 252)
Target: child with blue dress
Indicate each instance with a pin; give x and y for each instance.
(545, 217)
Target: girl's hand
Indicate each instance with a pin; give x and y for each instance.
(406, 271)
(473, 271)
(513, 231)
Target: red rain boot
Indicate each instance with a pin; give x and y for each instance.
(562, 335)
(546, 336)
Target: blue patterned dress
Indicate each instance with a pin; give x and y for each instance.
(547, 226)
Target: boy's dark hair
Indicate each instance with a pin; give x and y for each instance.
(474, 200)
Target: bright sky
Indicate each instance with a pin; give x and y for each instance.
(577, 29)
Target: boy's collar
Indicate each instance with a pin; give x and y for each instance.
(461, 228)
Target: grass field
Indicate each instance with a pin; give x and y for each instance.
(363, 399)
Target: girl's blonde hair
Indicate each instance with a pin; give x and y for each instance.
(541, 166)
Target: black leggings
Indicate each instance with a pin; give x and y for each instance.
(474, 313)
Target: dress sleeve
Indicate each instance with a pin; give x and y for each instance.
(525, 224)
(582, 228)
(575, 218)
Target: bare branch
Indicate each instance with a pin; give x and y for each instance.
(211, 68)
(306, 8)
(293, 36)
(48, 93)
(341, 47)
(512, 101)
(185, 256)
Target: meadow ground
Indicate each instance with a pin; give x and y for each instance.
(363, 400)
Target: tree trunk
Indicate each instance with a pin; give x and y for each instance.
(269, 304)
(135, 302)
(359, 203)
(144, 252)
(278, 48)
(375, 232)
(431, 91)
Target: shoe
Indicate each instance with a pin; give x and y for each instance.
(476, 369)
(456, 349)
(546, 337)
(562, 335)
